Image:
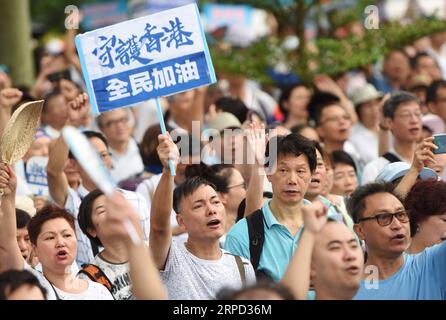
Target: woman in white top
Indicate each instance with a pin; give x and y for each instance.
(53, 237)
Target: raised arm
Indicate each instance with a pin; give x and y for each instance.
(146, 281)
(384, 134)
(10, 256)
(160, 228)
(197, 108)
(70, 51)
(423, 153)
(58, 155)
(8, 98)
(325, 83)
(297, 275)
(257, 144)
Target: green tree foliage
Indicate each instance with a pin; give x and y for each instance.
(332, 56)
(50, 14)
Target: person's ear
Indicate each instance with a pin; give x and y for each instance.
(388, 122)
(92, 233)
(180, 221)
(359, 231)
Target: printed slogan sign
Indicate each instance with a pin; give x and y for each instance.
(36, 176)
(144, 58)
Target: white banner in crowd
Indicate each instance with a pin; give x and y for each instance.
(36, 175)
(144, 58)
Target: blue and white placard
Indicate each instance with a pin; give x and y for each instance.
(144, 58)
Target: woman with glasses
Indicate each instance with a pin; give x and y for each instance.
(426, 204)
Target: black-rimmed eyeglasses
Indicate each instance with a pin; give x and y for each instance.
(384, 219)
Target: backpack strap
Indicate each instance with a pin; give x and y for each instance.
(241, 269)
(94, 273)
(256, 236)
(391, 157)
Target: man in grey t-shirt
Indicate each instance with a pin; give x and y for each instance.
(198, 268)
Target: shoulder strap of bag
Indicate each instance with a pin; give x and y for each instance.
(97, 275)
(241, 269)
(256, 236)
(391, 157)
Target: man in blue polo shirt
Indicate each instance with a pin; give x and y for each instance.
(382, 222)
(294, 163)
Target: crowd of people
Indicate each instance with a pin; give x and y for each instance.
(330, 190)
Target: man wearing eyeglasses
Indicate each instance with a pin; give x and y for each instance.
(333, 124)
(126, 159)
(383, 223)
(402, 116)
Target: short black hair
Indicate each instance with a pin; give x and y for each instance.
(356, 201)
(47, 213)
(299, 127)
(85, 214)
(318, 102)
(432, 90)
(187, 188)
(292, 144)
(233, 105)
(414, 60)
(91, 134)
(398, 98)
(342, 157)
(218, 174)
(11, 280)
(22, 218)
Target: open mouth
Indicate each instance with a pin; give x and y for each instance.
(353, 270)
(62, 254)
(213, 223)
(315, 182)
(414, 130)
(399, 237)
(343, 131)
